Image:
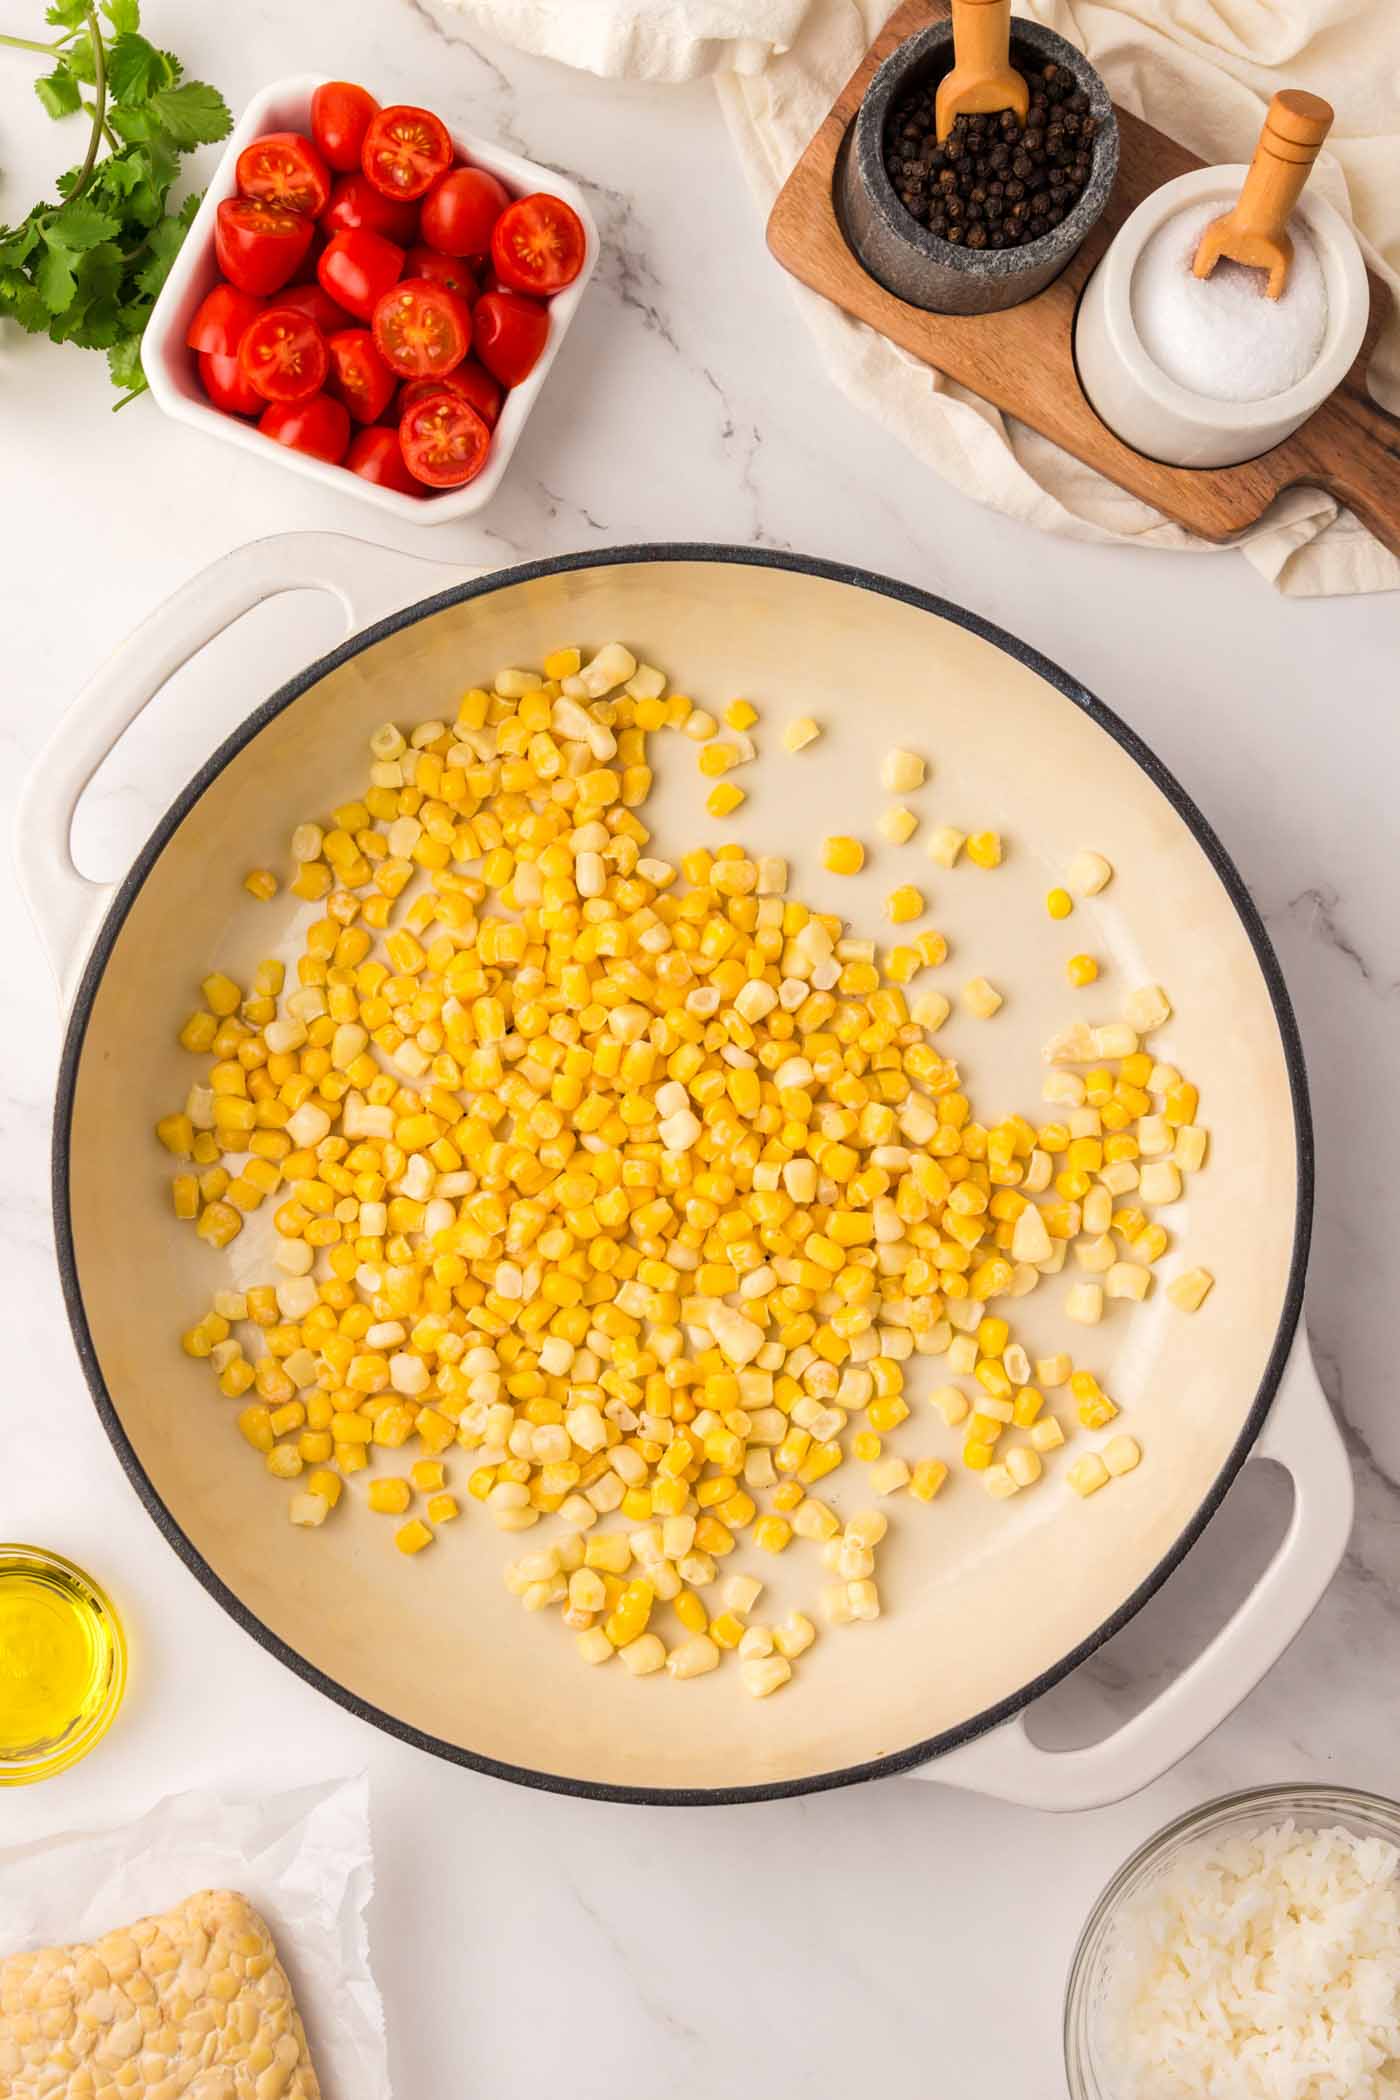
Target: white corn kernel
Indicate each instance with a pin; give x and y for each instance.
(740, 1593)
(945, 844)
(981, 998)
(1128, 1279)
(1046, 1434)
(1088, 1474)
(1023, 1465)
(930, 1010)
(643, 1656)
(693, 1658)
(1088, 873)
(1122, 1454)
(1084, 1304)
(999, 1483)
(1148, 1007)
(1159, 1182)
(764, 1675)
(951, 1404)
(888, 1475)
(800, 733)
(898, 824)
(756, 1641)
(901, 771)
(1190, 1289)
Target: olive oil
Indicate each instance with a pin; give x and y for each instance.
(62, 1663)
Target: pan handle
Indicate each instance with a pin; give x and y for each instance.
(368, 580)
(1300, 1435)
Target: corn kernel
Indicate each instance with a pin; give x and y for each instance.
(843, 856)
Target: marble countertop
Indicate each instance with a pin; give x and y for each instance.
(898, 1936)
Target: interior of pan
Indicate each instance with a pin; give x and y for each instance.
(984, 1603)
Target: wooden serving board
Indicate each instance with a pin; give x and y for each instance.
(1022, 360)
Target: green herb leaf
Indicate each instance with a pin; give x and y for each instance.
(193, 114)
(79, 59)
(164, 241)
(59, 92)
(124, 364)
(20, 302)
(66, 14)
(124, 16)
(54, 279)
(135, 68)
(81, 225)
(16, 243)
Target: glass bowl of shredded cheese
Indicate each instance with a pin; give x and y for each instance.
(1249, 1951)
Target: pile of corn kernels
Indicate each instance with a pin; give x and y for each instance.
(632, 1189)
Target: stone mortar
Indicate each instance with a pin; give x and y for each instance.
(904, 256)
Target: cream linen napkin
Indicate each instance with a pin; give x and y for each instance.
(1202, 70)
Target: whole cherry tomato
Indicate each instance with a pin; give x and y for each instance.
(449, 270)
(316, 425)
(283, 354)
(284, 168)
(421, 330)
(318, 306)
(358, 268)
(221, 319)
(359, 376)
(538, 245)
(227, 386)
(356, 202)
(459, 214)
(259, 245)
(405, 150)
(378, 456)
(510, 333)
(340, 117)
(469, 379)
(444, 440)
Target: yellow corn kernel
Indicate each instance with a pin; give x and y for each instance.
(984, 848)
(927, 1478)
(723, 800)
(843, 855)
(1059, 904)
(1081, 969)
(727, 1630)
(390, 1497)
(903, 904)
(772, 1534)
(413, 1536)
(260, 883)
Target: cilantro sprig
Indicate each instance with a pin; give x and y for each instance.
(87, 269)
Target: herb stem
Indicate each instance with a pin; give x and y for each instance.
(27, 43)
(99, 97)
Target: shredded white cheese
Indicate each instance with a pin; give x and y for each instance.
(1260, 1967)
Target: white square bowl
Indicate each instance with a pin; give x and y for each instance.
(170, 367)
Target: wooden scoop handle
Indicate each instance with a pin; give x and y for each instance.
(982, 79)
(1294, 129)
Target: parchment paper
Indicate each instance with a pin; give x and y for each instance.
(302, 1859)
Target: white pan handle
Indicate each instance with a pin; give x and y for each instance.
(1302, 1436)
(368, 581)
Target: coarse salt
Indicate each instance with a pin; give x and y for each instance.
(1222, 336)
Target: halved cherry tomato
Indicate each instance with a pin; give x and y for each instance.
(421, 330)
(283, 354)
(226, 384)
(459, 214)
(284, 168)
(444, 440)
(223, 315)
(259, 245)
(538, 245)
(317, 425)
(378, 456)
(469, 379)
(318, 306)
(358, 268)
(405, 150)
(441, 269)
(340, 117)
(356, 202)
(510, 333)
(359, 376)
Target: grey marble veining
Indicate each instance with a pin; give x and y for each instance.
(900, 1938)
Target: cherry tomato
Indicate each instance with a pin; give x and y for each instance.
(317, 425)
(459, 214)
(444, 440)
(318, 306)
(283, 354)
(469, 379)
(378, 456)
(359, 376)
(421, 330)
(258, 244)
(284, 168)
(356, 202)
(442, 269)
(340, 117)
(223, 315)
(358, 268)
(538, 245)
(510, 334)
(405, 150)
(225, 383)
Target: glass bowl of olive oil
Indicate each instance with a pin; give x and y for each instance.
(62, 1664)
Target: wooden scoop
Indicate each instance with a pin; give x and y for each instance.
(983, 79)
(1254, 232)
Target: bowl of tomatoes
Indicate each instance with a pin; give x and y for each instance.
(371, 298)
